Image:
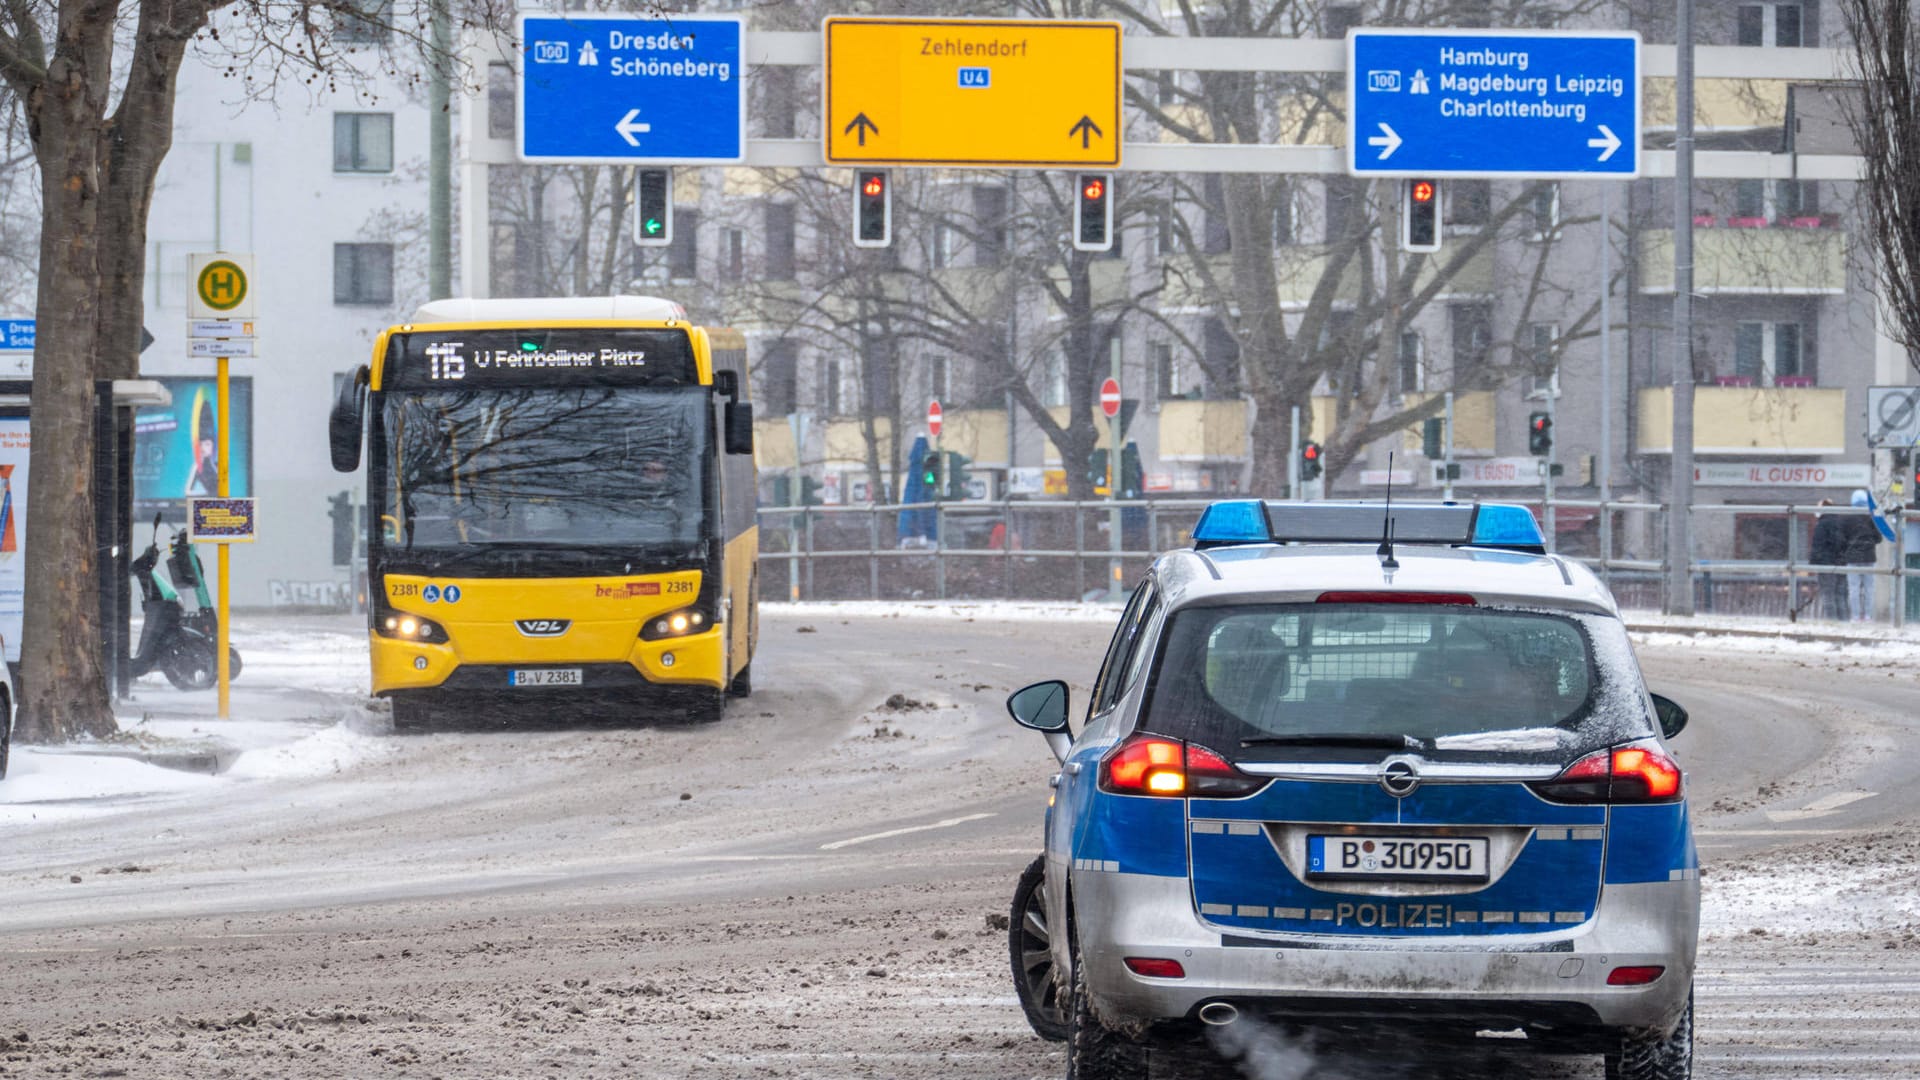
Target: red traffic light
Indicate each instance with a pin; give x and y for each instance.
(1094, 189)
(875, 185)
(1311, 451)
(1541, 423)
(1423, 191)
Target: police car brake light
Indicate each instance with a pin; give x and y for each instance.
(1640, 773)
(1155, 967)
(1153, 765)
(1635, 976)
(1384, 597)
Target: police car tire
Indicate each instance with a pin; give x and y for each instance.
(1040, 1002)
(6, 733)
(1095, 1052)
(1668, 1058)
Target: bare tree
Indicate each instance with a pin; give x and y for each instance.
(95, 83)
(1885, 119)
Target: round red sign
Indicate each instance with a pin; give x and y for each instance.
(1110, 398)
(933, 418)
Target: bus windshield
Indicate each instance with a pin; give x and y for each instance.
(587, 468)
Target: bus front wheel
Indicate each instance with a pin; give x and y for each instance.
(703, 706)
(742, 684)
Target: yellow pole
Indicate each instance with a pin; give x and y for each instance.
(220, 632)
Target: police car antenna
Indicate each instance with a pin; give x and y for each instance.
(1387, 561)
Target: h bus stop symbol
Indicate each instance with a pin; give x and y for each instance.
(222, 286)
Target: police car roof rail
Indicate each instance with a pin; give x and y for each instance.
(1506, 526)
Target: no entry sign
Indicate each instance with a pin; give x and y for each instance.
(1110, 398)
(933, 418)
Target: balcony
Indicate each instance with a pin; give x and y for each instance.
(1735, 261)
(1739, 420)
(1203, 430)
(1472, 423)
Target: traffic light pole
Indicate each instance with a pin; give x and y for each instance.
(1115, 573)
(1446, 468)
(1553, 385)
(1293, 456)
(939, 527)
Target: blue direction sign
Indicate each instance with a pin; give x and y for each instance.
(1528, 104)
(617, 89)
(16, 335)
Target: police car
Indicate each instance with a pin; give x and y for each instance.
(1393, 771)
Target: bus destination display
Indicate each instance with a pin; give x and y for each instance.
(541, 357)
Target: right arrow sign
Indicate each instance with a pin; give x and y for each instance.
(1489, 103)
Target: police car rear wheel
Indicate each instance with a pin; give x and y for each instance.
(1094, 1052)
(1030, 944)
(1659, 1058)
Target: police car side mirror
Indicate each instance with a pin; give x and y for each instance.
(1043, 707)
(1672, 717)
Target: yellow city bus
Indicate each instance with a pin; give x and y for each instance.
(561, 498)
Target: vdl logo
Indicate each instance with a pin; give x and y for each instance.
(976, 78)
(1386, 82)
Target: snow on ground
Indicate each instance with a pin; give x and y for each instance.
(43, 785)
(968, 610)
(1780, 898)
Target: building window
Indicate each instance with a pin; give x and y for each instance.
(1215, 237)
(1163, 228)
(363, 22)
(1165, 90)
(1220, 351)
(938, 385)
(1544, 207)
(363, 273)
(1412, 372)
(830, 389)
(1541, 343)
(778, 103)
(1778, 25)
(780, 382)
(363, 142)
(683, 252)
(990, 225)
(1768, 353)
(1472, 338)
(1053, 392)
(1469, 202)
(1344, 208)
(779, 228)
(1337, 19)
(500, 101)
(882, 370)
(736, 255)
(1285, 216)
(945, 240)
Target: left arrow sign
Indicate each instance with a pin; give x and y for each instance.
(629, 126)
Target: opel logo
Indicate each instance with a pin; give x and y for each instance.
(543, 627)
(1399, 778)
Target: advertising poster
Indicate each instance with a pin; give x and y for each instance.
(176, 447)
(13, 530)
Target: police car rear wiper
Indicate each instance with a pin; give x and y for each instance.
(1384, 742)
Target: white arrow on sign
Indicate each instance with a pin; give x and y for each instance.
(1607, 143)
(628, 127)
(1389, 139)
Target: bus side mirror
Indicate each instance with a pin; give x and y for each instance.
(347, 421)
(739, 426)
(727, 384)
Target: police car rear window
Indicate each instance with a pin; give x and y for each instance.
(1451, 680)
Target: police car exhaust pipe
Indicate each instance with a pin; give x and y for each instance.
(1218, 1013)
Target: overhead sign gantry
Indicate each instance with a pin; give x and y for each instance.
(1017, 93)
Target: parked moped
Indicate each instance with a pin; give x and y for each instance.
(177, 642)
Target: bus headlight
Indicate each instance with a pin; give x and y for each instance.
(406, 627)
(674, 624)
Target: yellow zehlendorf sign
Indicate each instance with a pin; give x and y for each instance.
(990, 93)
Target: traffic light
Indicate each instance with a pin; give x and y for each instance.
(1433, 438)
(1133, 478)
(957, 475)
(1420, 215)
(872, 208)
(930, 472)
(1310, 461)
(1539, 434)
(1093, 212)
(1097, 472)
(653, 208)
(810, 492)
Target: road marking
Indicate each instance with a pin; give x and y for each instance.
(1773, 832)
(947, 824)
(1821, 807)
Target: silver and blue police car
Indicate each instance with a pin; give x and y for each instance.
(1404, 779)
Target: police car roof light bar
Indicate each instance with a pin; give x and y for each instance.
(1507, 526)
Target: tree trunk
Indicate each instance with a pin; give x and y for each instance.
(64, 688)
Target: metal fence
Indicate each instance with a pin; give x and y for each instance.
(1061, 550)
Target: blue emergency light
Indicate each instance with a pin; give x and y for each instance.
(1507, 526)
